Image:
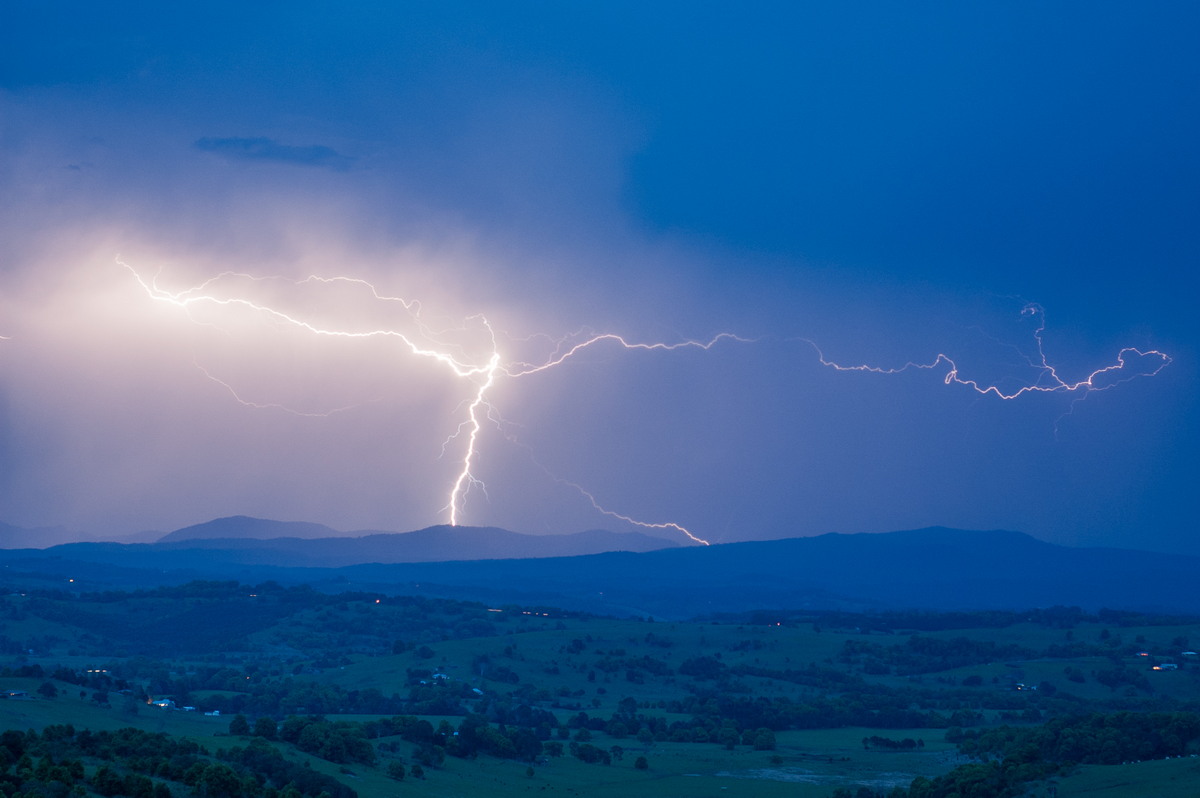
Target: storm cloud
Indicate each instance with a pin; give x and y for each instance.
(889, 185)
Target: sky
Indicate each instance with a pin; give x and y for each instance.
(311, 263)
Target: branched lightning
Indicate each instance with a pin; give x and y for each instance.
(482, 370)
(433, 345)
(1048, 379)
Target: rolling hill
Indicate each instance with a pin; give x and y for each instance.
(935, 569)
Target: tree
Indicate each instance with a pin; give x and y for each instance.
(265, 727)
(48, 690)
(396, 770)
(764, 740)
(239, 726)
(220, 780)
(640, 763)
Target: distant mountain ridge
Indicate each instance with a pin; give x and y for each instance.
(244, 526)
(15, 537)
(934, 569)
(289, 544)
(258, 542)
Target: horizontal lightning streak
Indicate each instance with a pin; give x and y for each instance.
(523, 369)
(1054, 384)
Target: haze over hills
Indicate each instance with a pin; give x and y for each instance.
(243, 526)
(15, 537)
(934, 569)
(301, 543)
(289, 544)
(432, 544)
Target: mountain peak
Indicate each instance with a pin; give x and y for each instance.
(246, 527)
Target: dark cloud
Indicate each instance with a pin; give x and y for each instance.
(265, 149)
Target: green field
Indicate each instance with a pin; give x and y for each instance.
(843, 695)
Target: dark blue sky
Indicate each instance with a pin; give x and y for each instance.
(891, 181)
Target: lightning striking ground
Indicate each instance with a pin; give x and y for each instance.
(482, 369)
(482, 372)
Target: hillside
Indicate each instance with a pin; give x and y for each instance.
(935, 569)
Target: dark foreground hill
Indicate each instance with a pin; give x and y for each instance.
(935, 569)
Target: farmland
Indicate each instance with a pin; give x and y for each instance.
(388, 695)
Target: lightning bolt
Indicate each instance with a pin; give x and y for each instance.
(564, 351)
(482, 371)
(269, 405)
(429, 344)
(1048, 380)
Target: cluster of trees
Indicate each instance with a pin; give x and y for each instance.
(920, 654)
(888, 744)
(1027, 754)
(334, 741)
(1093, 739)
(648, 729)
(1112, 678)
(812, 676)
(873, 707)
(138, 764)
(206, 616)
(142, 765)
(1057, 617)
(267, 763)
(249, 689)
